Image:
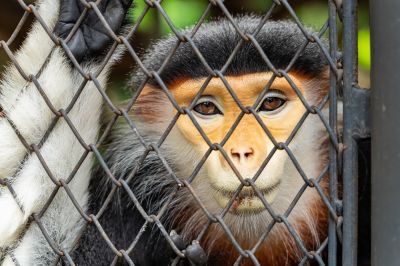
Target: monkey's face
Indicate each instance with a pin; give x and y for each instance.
(248, 147)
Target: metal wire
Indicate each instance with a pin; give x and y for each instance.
(124, 253)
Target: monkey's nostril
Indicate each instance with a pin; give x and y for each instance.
(241, 153)
(249, 153)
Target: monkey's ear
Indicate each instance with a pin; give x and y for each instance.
(152, 106)
(325, 74)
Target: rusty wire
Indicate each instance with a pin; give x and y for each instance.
(122, 184)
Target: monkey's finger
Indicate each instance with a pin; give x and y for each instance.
(69, 11)
(78, 45)
(115, 13)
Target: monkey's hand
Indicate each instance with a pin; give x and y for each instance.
(92, 37)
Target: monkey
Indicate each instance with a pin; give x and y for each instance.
(175, 161)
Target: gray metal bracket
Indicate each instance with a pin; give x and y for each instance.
(361, 102)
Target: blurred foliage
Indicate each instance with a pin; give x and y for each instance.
(364, 46)
(184, 13)
(314, 15)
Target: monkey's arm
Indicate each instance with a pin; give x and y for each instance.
(27, 111)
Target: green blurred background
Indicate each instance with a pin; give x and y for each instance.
(184, 13)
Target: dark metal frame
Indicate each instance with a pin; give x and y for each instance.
(385, 80)
(343, 148)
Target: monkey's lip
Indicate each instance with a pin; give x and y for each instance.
(247, 201)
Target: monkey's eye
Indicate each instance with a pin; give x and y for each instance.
(273, 101)
(207, 107)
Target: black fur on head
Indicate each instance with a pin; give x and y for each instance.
(280, 41)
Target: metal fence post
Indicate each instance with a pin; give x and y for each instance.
(385, 78)
(350, 175)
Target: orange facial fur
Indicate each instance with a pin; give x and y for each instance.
(249, 137)
(247, 88)
(309, 217)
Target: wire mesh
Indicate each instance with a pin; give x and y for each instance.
(325, 253)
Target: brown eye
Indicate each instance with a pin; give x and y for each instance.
(271, 104)
(207, 108)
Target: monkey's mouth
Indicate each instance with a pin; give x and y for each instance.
(247, 202)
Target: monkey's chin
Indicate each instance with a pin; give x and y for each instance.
(246, 203)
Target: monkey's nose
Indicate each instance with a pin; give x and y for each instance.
(241, 154)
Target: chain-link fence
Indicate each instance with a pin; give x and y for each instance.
(339, 198)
